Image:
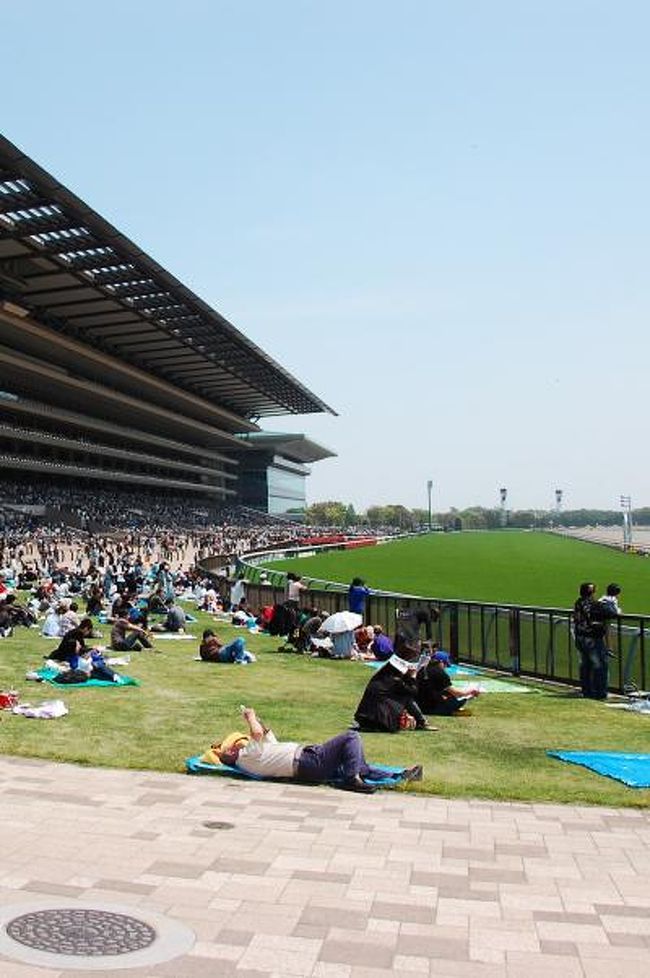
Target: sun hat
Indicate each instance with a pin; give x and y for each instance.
(442, 656)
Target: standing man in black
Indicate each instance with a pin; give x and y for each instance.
(590, 630)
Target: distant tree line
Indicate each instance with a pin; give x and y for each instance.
(339, 514)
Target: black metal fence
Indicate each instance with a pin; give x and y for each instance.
(521, 640)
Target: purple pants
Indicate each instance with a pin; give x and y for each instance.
(338, 759)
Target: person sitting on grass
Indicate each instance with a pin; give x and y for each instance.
(16, 613)
(175, 619)
(69, 618)
(389, 702)
(363, 638)
(340, 759)
(126, 636)
(212, 649)
(51, 627)
(381, 645)
(94, 604)
(435, 693)
(73, 644)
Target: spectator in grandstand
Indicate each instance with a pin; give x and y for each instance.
(357, 595)
(212, 649)
(340, 759)
(435, 693)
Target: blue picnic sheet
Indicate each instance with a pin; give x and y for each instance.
(451, 670)
(632, 769)
(48, 675)
(194, 765)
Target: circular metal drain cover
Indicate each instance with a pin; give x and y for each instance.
(68, 935)
(218, 825)
(89, 933)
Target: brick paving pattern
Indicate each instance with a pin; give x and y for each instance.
(327, 884)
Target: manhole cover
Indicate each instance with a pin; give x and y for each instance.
(77, 931)
(218, 825)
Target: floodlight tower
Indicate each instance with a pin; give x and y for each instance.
(558, 500)
(626, 506)
(429, 488)
(503, 495)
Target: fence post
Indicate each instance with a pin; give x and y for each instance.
(453, 631)
(514, 632)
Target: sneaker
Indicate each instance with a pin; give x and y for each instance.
(426, 726)
(412, 773)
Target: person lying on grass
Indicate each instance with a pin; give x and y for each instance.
(212, 649)
(435, 693)
(340, 759)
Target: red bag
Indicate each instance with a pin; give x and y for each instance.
(406, 721)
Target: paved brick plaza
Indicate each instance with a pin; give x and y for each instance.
(323, 883)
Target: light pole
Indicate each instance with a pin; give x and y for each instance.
(429, 488)
(503, 496)
(626, 506)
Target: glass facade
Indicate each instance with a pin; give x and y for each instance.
(286, 491)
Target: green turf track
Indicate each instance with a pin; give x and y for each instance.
(511, 567)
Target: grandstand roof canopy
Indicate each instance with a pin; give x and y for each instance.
(64, 265)
(298, 448)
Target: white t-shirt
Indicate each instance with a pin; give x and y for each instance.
(237, 592)
(267, 757)
(293, 590)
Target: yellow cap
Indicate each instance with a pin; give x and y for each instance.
(217, 750)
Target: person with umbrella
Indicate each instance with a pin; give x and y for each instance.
(340, 626)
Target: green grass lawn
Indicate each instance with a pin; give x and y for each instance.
(182, 705)
(513, 567)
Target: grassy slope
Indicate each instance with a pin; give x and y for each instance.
(183, 705)
(511, 567)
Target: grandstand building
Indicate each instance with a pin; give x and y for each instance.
(113, 372)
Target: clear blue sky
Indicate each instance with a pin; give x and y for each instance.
(435, 215)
